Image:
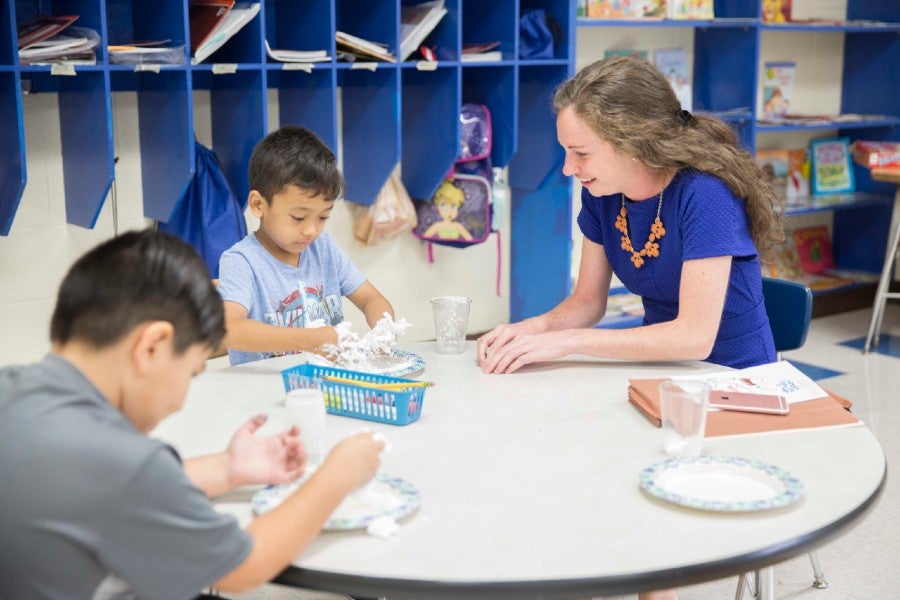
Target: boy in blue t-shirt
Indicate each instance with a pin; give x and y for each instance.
(289, 275)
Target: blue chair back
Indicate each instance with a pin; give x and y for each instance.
(789, 308)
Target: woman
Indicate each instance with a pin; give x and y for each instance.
(670, 205)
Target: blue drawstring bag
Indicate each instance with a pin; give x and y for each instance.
(208, 215)
(537, 35)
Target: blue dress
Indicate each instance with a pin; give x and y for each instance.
(703, 219)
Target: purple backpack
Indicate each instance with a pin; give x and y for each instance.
(459, 213)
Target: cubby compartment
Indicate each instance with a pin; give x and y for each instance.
(12, 149)
(484, 22)
(430, 127)
(308, 99)
(376, 21)
(305, 26)
(370, 111)
(238, 119)
(495, 87)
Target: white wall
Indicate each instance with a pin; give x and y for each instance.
(41, 246)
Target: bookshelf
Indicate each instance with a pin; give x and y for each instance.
(387, 112)
(737, 41)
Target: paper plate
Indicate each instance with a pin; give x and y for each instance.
(399, 364)
(385, 496)
(721, 483)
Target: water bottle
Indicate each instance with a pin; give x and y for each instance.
(500, 198)
(305, 408)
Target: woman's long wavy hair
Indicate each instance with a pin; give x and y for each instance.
(628, 103)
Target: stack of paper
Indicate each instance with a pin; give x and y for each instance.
(363, 48)
(297, 56)
(481, 52)
(74, 45)
(416, 22)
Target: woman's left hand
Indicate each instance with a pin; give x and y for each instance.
(274, 459)
(522, 350)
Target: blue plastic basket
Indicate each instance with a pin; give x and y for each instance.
(396, 407)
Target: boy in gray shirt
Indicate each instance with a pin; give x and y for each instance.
(289, 274)
(91, 507)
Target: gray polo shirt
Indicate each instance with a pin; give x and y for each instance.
(90, 507)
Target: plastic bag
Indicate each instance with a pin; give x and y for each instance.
(391, 214)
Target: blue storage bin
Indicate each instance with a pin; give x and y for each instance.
(365, 400)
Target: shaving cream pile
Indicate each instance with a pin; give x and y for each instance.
(354, 351)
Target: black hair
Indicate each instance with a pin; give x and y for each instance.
(134, 278)
(294, 155)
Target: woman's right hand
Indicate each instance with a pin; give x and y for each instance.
(498, 337)
(356, 459)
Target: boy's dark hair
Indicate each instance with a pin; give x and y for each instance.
(137, 277)
(294, 155)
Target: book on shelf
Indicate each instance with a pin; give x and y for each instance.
(674, 64)
(416, 22)
(831, 168)
(690, 9)
(776, 11)
(785, 263)
(42, 27)
(626, 9)
(297, 56)
(797, 184)
(481, 52)
(873, 154)
(774, 163)
(642, 54)
(778, 87)
(814, 248)
(204, 16)
(362, 48)
(234, 19)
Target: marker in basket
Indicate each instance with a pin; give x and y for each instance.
(381, 386)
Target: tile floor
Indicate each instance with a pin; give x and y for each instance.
(863, 564)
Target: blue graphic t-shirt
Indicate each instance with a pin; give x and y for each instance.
(286, 296)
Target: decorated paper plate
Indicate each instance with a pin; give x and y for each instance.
(721, 483)
(400, 364)
(384, 496)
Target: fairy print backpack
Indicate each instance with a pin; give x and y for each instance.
(459, 213)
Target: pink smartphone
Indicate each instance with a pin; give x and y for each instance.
(746, 402)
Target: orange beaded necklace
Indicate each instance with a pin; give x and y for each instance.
(651, 248)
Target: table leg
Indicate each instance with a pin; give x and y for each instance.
(884, 282)
(766, 584)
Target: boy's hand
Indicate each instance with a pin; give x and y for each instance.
(270, 460)
(355, 458)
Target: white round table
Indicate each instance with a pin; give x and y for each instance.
(529, 485)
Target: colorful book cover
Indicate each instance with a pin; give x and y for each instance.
(831, 168)
(774, 163)
(674, 64)
(814, 249)
(876, 154)
(778, 87)
(690, 9)
(786, 260)
(797, 184)
(626, 9)
(642, 54)
(776, 11)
